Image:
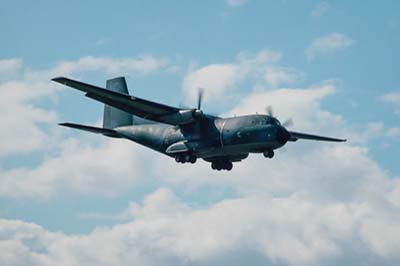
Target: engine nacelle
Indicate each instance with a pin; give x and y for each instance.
(184, 117)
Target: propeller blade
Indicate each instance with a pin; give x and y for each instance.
(288, 123)
(200, 98)
(269, 110)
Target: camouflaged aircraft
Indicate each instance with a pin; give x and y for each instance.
(185, 134)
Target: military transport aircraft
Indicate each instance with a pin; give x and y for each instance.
(185, 134)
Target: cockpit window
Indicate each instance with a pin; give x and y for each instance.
(276, 122)
(272, 121)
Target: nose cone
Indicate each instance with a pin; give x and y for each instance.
(282, 135)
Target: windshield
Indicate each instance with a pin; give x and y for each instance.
(272, 121)
(276, 122)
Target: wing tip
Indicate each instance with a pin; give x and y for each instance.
(59, 79)
(65, 124)
(338, 140)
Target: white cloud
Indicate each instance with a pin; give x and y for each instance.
(101, 41)
(303, 105)
(392, 98)
(279, 76)
(320, 9)
(393, 132)
(166, 231)
(215, 79)
(9, 68)
(236, 3)
(394, 195)
(328, 44)
(80, 167)
(218, 79)
(71, 165)
(313, 204)
(112, 66)
(23, 128)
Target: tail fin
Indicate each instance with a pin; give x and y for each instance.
(114, 117)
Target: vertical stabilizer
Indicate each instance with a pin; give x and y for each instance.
(114, 117)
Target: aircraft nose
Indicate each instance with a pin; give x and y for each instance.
(282, 135)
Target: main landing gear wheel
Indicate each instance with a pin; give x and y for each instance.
(185, 158)
(222, 165)
(269, 154)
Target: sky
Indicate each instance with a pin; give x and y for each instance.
(73, 198)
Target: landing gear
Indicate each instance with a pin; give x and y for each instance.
(269, 154)
(185, 158)
(193, 159)
(221, 165)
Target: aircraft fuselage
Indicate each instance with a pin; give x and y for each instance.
(232, 138)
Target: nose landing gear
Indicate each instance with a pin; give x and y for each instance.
(269, 154)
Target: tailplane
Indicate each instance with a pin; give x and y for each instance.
(104, 131)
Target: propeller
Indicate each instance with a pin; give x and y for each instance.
(269, 110)
(288, 123)
(283, 134)
(200, 94)
(198, 112)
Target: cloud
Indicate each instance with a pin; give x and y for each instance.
(320, 9)
(315, 203)
(101, 41)
(218, 79)
(303, 105)
(21, 117)
(276, 76)
(9, 68)
(392, 98)
(112, 66)
(393, 132)
(328, 44)
(67, 164)
(79, 167)
(215, 79)
(288, 230)
(236, 3)
(24, 87)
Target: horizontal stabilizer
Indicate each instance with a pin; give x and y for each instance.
(297, 135)
(98, 130)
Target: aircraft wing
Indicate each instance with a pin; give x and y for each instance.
(297, 135)
(133, 105)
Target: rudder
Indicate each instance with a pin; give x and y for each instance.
(114, 117)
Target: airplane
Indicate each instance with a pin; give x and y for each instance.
(186, 134)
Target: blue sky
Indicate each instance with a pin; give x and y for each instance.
(332, 66)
